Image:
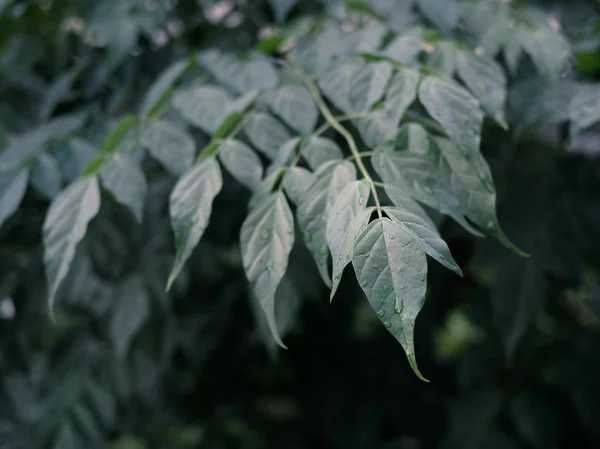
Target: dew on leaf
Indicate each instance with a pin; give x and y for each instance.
(361, 200)
(387, 324)
(381, 313)
(324, 250)
(307, 237)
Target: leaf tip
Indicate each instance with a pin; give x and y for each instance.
(412, 360)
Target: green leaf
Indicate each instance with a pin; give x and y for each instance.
(296, 107)
(444, 14)
(161, 88)
(478, 199)
(318, 150)
(285, 155)
(316, 53)
(382, 124)
(405, 48)
(399, 197)
(241, 162)
(173, 147)
(266, 239)
(46, 177)
(296, 182)
(391, 268)
(281, 8)
(459, 114)
(252, 72)
(116, 135)
(227, 124)
(584, 109)
(486, 80)
(549, 51)
(335, 83)
(426, 235)
(125, 180)
(65, 226)
(351, 203)
(131, 311)
(444, 57)
(13, 183)
(190, 208)
(314, 208)
(368, 84)
(266, 134)
(204, 106)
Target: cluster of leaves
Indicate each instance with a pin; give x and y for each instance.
(351, 133)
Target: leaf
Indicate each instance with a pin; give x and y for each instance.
(444, 14)
(368, 84)
(281, 8)
(486, 80)
(266, 134)
(335, 83)
(65, 226)
(443, 59)
(405, 48)
(46, 177)
(382, 124)
(163, 85)
(400, 198)
(584, 108)
(190, 208)
(459, 114)
(477, 198)
(519, 294)
(426, 235)
(316, 53)
(314, 208)
(296, 107)
(204, 106)
(60, 89)
(241, 162)
(392, 269)
(548, 50)
(13, 183)
(318, 150)
(285, 155)
(296, 182)
(125, 180)
(170, 145)
(253, 72)
(131, 311)
(266, 239)
(118, 132)
(349, 205)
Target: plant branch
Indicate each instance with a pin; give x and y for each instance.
(340, 118)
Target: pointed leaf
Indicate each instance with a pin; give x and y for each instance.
(161, 88)
(335, 83)
(368, 84)
(204, 106)
(315, 206)
(296, 182)
(125, 180)
(266, 239)
(405, 48)
(400, 198)
(426, 235)
(549, 50)
(318, 150)
(391, 268)
(486, 80)
(443, 58)
(241, 162)
(118, 132)
(173, 147)
(266, 134)
(46, 177)
(296, 107)
(190, 209)
(131, 310)
(444, 14)
(65, 226)
(13, 183)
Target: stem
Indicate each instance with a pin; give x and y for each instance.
(335, 124)
(340, 118)
(361, 155)
(292, 165)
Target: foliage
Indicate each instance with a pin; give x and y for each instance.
(173, 169)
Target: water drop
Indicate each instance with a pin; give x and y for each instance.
(307, 237)
(398, 309)
(428, 190)
(422, 278)
(376, 266)
(341, 257)
(365, 283)
(367, 255)
(361, 200)
(324, 250)
(290, 231)
(385, 287)
(391, 237)
(381, 313)
(387, 324)
(490, 225)
(265, 235)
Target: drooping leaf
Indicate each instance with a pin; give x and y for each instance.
(266, 239)
(204, 106)
(65, 226)
(296, 107)
(125, 180)
(281, 8)
(241, 162)
(13, 183)
(46, 177)
(459, 114)
(486, 80)
(426, 235)
(190, 209)
(131, 310)
(391, 268)
(380, 125)
(173, 147)
(161, 88)
(318, 150)
(549, 50)
(399, 197)
(368, 84)
(315, 206)
(350, 204)
(296, 182)
(266, 134)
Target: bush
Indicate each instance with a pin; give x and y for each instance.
(184, 184)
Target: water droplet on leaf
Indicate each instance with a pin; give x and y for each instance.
(381, 313)
(307, 237)
(387, 324)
